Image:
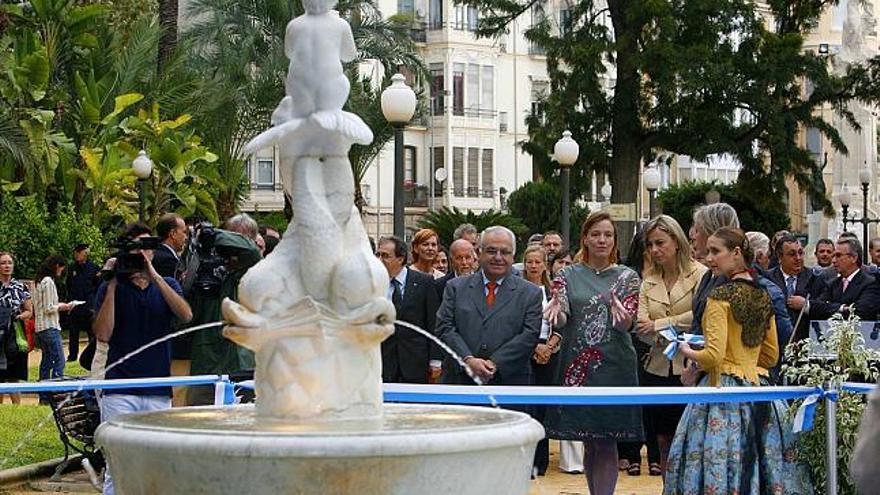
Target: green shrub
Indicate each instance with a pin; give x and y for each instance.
(31, 233)
(274, 219)
(806, 365)
(445, 220)
(755, 211)
(538, 206)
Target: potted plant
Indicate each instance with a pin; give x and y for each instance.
(839, 356)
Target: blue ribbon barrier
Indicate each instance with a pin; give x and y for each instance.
(675, 339)
(224, 392)
(77, 385)
(586, 396)
(860, 388)
(806, 413)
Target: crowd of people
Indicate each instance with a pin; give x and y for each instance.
(555, 318)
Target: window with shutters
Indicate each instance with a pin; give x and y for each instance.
(488, 171)
(458, 171)
(473, 171)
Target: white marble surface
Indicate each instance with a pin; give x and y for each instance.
(416, 449)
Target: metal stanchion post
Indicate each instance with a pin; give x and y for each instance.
(831, 444)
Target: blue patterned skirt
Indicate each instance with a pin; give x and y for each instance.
(735, 448)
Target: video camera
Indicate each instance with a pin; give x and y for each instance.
(128, 262)
(209, 264)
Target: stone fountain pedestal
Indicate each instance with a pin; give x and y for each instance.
(413, 449)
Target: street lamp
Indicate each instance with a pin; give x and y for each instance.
(845, 198)
(566, 153)
(651, 178)
(606, 191)
(398, 106)
(143, 167)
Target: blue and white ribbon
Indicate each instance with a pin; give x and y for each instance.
(806, 413)
(675, 339)
(224, 392)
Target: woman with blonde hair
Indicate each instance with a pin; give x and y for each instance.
(594, 303)
(425, 246)
(671, 278)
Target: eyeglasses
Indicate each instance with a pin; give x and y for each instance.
(386, 256)
(838, 255)
(492, 252)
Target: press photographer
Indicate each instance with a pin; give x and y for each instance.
(136, 306)
(217, 260)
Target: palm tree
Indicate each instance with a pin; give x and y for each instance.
(240, 44)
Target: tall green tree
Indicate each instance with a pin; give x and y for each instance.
(693, 77)
(240, 44)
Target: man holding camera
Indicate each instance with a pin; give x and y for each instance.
(220, 258)
(136, 306)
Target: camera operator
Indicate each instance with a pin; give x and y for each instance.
(219, 260)
(136, 306)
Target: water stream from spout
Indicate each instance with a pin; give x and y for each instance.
(454, 355)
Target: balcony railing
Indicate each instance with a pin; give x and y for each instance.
(482, 113)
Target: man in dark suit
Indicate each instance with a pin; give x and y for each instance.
(172, 232)
(407, 356)
(492, 319)
(462, 258)
(853, 286)
(797, 282)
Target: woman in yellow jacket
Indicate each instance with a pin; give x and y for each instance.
(742, 448)
(671, 277)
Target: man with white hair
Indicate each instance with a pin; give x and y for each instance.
(492, 318)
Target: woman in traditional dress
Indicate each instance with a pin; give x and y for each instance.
(595, 303)
(671, 277)
(15, 304)
(742, 448)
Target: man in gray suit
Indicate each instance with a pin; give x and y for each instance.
(491, 318)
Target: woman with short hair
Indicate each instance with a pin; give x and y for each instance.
(425, 245)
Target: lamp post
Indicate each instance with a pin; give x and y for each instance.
(565, 152)
(845, 199)
(651, 178)
(143, 167)
(398, 106)
(606, 191)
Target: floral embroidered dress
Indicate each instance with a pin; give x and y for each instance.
(738, 448)
(594, 354)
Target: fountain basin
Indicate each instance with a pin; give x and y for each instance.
(413, 449)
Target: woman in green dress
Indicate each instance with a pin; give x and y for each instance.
(594, 303)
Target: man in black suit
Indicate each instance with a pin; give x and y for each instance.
(462, 258)
(492, 318)
(853, 286)
(797, 282)
(407, 356)
(172, 231)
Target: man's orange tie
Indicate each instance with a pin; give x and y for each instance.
(490, 295)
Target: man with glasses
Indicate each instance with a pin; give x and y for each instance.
(492, 318)
(852, 287)
(407, 356)
(796, 281)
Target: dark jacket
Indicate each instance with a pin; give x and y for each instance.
(808, 285)
(167, 263)
(82, 282)
(406, 353)
(506, 334)
(863, 292)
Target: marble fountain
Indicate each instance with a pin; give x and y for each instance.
(315, 312)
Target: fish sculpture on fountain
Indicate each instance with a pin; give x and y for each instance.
(315, 311)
